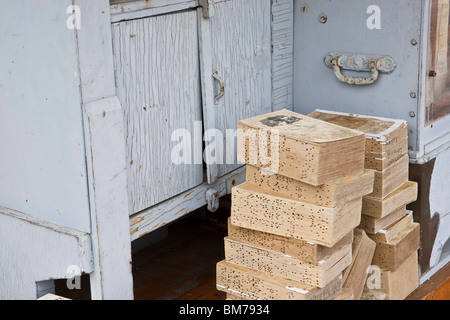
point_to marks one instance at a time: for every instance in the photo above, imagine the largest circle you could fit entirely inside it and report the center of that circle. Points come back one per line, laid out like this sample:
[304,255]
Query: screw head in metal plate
[412,114]
[413,95]
[414,42]
[323,18]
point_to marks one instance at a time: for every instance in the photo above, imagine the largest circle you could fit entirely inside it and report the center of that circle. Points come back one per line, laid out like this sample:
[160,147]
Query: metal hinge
[207,8]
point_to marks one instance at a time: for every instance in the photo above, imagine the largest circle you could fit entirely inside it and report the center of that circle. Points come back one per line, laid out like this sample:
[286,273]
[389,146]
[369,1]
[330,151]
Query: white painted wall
[42,156]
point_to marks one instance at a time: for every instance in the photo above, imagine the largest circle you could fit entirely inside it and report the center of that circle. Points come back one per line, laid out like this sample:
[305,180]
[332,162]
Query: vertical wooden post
[106,161]
[105,155]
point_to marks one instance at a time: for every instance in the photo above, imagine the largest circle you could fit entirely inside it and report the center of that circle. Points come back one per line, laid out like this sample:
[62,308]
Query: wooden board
[239,34]
[300,147]
[391,255]
[302,250]
[386,139]
[158,85]
[256,285]
[388,233]
[276,263]
[391,179]
[380,208]
[436,288]
[373,225]
[284,216]
[400,283]
[333,194]
[354,277]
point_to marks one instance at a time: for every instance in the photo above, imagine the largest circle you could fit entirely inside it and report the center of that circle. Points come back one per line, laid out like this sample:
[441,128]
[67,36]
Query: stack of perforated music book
[385,219]
[292,222]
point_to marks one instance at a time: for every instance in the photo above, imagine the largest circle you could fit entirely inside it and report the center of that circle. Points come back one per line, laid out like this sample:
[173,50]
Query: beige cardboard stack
[291,230]
[385,218]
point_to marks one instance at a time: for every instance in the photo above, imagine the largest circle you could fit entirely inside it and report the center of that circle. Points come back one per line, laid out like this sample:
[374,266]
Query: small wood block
[391,231]
[302,250]
[391,255]
[391,179]
[400,283]
[308,150]
[354,277]
[332,194]
[380,208]
[386,139]
[373,225]
[256,285]
[284,216]
[278,264]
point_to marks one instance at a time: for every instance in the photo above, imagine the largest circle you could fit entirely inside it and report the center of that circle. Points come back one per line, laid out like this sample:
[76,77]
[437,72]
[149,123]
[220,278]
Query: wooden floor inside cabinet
[179,261]
[179,265]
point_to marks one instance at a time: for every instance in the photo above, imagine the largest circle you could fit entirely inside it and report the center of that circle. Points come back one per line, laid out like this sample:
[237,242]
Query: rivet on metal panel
[412,114]
[413,95]
[414,42]
[323,18]
[432,73]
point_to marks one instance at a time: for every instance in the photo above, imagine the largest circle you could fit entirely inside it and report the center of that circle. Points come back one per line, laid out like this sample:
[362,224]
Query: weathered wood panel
[45,251]
[164,213]
[106,161]
[241,53]
[157,79]
[283,53]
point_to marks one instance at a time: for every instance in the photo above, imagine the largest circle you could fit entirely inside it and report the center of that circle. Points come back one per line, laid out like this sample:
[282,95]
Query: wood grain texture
[354,277]
[302,250]
[301,147]
[387,234]
[373,225]
[282,54]
[391,255]
[29,254]
[386,139]
[106,164]
[157,80]
[391,179]
[254,285]
[256,258]
[380,208]
[170,210]
[284,216]
[398,284]
[241,53]
[332,194]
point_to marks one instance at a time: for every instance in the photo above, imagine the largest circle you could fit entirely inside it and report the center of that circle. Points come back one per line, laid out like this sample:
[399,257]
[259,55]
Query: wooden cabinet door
[158,83]
[235,42]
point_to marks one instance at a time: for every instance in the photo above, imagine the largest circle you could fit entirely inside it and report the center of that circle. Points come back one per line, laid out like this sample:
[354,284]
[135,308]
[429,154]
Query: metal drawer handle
[375,64]
[221,85]
[356,80]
